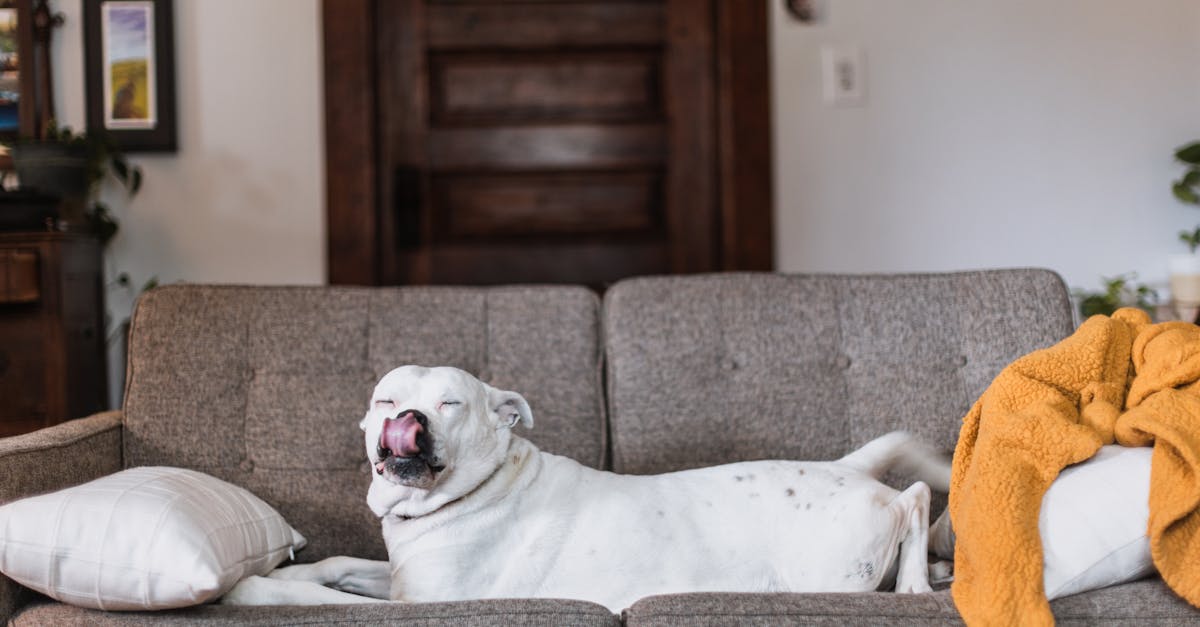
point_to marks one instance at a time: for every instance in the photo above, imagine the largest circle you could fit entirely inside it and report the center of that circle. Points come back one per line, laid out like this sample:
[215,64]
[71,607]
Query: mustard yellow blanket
[1116,379]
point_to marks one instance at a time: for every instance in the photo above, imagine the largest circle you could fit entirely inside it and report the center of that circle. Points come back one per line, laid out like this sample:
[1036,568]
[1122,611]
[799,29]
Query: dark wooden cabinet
[52,365]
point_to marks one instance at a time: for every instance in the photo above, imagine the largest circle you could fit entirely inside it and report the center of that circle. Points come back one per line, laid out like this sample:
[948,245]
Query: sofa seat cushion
[1147,602]
[786,608]
[548,612]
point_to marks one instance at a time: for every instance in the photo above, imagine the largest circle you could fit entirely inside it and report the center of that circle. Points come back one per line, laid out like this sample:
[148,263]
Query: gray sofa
[656,377]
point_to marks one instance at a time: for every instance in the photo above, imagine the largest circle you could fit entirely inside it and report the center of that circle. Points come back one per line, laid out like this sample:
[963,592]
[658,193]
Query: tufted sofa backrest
[711,369]
[265,386]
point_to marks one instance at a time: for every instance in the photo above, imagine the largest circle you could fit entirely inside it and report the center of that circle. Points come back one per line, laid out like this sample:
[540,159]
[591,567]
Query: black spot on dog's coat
[865,571]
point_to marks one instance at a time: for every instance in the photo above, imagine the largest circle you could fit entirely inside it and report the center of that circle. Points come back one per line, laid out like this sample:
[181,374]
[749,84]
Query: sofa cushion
[729,608]
[536,612]
[710,369]
[1147,602]
[264,386]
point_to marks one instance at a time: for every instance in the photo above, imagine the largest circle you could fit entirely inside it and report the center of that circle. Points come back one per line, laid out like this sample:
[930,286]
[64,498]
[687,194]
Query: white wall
[995,133]
[243,199]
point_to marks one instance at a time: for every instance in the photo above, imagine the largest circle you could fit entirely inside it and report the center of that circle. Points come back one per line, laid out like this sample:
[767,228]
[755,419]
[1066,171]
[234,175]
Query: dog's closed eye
[444,404]
[384,401]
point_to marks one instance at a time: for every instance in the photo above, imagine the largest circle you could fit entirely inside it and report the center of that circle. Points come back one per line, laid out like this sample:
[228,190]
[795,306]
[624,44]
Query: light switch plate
[844,76]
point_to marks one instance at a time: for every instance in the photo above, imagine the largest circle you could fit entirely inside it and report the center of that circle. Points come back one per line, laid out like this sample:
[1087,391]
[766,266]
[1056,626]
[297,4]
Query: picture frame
[17,79]
[130,72]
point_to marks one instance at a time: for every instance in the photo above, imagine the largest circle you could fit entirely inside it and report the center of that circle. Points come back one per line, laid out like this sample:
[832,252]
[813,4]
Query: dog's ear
[508,408]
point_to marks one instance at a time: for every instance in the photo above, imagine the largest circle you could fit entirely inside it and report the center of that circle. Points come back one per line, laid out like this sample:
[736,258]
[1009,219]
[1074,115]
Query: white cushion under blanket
[142,539]
[1093,523]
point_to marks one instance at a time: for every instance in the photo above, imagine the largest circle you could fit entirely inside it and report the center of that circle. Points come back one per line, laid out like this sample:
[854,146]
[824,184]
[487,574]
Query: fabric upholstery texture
[84,450]
[1140,603]
[532,612]
[264,386]
[712,369]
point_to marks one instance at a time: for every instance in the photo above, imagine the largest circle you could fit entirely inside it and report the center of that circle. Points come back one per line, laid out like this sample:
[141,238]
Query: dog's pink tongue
[400,435]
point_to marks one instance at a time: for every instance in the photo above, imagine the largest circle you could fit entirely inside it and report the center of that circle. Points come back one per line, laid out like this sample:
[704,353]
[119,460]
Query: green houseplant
[73,166]
[1119,291]
[1187,188]
[1184,268]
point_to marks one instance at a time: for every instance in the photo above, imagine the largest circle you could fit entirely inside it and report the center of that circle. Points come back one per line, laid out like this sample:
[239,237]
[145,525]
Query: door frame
[742,136]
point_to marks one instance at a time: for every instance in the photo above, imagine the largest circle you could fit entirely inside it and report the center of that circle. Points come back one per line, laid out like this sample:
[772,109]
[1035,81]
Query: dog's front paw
[252,590]
[297,572]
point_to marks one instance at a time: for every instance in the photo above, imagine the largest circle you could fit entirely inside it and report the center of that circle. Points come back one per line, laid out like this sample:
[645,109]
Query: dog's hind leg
[941,537]
[913,505]
[370,578]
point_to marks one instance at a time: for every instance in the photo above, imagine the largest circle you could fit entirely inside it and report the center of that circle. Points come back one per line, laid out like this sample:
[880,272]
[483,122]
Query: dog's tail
[901,451]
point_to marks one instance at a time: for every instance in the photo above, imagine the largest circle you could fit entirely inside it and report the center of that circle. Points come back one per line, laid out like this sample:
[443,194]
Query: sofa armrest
[53,458]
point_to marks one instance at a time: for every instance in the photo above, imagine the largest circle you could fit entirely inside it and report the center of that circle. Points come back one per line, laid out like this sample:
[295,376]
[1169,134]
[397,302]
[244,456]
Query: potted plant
[1119,291]
[72,167]
[1184,268]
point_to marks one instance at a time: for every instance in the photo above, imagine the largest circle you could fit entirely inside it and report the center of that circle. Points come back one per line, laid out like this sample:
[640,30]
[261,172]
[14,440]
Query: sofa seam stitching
[62,444]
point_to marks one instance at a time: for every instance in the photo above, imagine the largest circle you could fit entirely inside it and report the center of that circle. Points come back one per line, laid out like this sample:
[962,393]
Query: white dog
[471,510]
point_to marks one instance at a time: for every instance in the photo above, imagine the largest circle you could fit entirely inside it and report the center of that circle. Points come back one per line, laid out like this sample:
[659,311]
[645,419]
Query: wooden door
[541,141]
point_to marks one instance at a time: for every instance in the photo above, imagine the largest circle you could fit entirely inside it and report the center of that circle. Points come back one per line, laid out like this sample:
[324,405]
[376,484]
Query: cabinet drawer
[19,276]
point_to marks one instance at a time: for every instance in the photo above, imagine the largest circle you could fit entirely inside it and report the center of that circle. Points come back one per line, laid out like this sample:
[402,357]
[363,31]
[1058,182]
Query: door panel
[563,87]
[540,144]
[543,140]
[546,148]
[555,25]
[480,206]
[586,263]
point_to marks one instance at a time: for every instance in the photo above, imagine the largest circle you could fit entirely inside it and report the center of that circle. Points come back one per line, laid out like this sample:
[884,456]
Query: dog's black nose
[418,416]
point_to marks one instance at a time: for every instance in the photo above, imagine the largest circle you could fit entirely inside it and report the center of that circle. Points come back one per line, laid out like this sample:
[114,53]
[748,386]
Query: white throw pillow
[1093,523]
[142,539]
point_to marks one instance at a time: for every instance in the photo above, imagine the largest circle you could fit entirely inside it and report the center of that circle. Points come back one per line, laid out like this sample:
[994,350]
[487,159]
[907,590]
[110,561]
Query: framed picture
[17,79]
[130,70]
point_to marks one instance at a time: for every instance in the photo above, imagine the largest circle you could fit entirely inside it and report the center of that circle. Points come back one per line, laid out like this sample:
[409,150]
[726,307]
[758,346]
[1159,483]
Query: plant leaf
[1189,153]
[1096,304]
[1185,193]
[121,169]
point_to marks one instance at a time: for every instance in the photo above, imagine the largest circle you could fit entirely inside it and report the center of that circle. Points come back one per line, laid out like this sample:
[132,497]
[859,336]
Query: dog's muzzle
[405,448]
[400,434]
